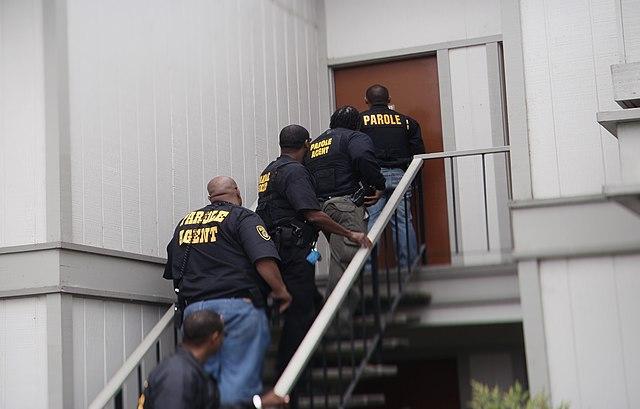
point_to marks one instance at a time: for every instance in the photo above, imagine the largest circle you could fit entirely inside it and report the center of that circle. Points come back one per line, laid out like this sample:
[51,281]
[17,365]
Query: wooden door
[413,87]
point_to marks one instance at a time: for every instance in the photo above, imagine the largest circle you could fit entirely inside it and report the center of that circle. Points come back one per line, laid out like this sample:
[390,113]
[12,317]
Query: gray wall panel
[164,96]
[23,352]
[22,123]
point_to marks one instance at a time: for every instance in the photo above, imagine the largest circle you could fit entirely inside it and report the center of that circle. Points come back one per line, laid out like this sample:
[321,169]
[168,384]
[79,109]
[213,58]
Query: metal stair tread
[370,371]
[356,401]
[358,345]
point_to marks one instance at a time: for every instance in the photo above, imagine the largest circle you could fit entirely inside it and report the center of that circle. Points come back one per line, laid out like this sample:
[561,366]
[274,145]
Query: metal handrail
[310,342]
[118,379]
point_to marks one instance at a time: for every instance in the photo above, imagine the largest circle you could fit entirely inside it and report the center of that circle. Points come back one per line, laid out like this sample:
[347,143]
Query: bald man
[222,259]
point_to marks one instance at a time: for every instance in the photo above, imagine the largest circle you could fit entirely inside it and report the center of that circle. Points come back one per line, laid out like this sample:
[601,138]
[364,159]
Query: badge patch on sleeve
[263,232]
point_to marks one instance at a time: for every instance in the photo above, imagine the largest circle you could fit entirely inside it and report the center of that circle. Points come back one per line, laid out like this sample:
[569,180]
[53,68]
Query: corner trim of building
[64,268]
[533,327]
[84,249]
[400,53]
[516,100]
[57,129]
[59,351]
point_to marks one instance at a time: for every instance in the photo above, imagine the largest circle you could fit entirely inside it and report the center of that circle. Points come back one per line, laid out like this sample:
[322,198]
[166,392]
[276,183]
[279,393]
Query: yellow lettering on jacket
[198,235]
[320,148]
[263,183]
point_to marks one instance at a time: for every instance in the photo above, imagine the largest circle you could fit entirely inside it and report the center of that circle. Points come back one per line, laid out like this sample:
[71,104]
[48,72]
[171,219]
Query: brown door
[413,86]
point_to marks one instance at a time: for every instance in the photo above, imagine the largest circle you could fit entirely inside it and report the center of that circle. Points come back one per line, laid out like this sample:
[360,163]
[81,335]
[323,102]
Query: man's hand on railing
[371,200]
[272,401]
[360,238]
[282,298]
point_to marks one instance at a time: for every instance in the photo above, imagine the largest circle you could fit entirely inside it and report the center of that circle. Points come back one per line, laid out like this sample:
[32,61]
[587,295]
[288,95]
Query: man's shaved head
[377,94]
[224,188]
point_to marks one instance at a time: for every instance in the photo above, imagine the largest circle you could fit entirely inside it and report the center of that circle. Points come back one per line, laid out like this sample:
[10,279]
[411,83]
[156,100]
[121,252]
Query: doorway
[414,90]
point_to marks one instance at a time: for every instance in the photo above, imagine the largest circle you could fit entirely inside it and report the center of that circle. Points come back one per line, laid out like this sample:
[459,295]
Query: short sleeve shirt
[225,242]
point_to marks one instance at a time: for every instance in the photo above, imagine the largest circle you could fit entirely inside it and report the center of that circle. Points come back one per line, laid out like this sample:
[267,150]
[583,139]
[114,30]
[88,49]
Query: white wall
[165,95]
[630,22]
[104,334]
[590,309]
[23,353]
[473,129]
[357,27]
[22,140]
[568,48]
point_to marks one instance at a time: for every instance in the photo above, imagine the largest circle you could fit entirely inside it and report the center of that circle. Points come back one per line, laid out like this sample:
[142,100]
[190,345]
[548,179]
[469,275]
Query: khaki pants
[344,212]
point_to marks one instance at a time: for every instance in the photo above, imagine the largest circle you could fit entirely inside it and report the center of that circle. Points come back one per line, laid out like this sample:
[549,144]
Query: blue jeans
[406,250]
[238,364]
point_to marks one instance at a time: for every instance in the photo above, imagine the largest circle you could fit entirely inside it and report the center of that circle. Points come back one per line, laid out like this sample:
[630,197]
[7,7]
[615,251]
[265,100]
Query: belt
[244,294]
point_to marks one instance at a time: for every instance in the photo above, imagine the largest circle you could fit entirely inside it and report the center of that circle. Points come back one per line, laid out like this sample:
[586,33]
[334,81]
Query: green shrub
[515,398]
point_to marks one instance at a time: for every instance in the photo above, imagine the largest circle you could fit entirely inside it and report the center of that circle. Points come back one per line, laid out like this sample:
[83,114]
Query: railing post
[375,293]
[420,213]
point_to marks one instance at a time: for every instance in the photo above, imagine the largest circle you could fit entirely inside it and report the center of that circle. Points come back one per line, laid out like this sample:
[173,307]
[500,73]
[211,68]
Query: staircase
[349,337]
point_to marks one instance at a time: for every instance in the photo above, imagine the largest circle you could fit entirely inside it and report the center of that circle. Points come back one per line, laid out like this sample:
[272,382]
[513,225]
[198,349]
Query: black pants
[299,277]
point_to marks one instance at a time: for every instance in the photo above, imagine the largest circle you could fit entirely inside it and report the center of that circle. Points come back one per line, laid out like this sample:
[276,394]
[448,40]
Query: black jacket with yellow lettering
[223,241]
[396,137]
[340,159]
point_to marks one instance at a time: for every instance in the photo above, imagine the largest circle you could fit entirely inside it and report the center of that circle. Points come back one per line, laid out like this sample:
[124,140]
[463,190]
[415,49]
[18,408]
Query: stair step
[370,371]
[359,345]
[397,320]
[356,401]
[408,299]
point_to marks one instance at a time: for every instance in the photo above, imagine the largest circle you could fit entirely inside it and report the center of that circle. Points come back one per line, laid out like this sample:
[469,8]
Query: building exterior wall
[22,124]
[590,310]
[105,332]
[23,352]
[629,15]
[578,302]
[164,96]
[568,48]
[362,27]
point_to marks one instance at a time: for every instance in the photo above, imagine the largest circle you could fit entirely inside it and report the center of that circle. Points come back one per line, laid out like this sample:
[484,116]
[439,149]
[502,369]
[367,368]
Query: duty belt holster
[299,234]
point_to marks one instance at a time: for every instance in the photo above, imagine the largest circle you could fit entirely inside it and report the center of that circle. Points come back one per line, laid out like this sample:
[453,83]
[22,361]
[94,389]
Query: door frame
[497,101]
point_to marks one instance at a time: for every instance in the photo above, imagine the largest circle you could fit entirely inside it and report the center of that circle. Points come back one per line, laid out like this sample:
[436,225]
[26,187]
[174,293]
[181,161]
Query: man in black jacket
[288,205]
[342,161]
[396,138]
[179,382]
[221,258]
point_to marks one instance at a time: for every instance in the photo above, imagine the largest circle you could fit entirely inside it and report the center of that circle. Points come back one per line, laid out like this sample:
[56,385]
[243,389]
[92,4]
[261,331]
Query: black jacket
[339,160]
[179,382]
[396,137]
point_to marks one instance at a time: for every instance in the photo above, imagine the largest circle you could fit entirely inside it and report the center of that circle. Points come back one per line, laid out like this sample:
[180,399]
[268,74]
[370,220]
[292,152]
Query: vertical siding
[590,317]
[568,47]
[630,10]
[23,353]
[22,143]
[165,95]
[104,334]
